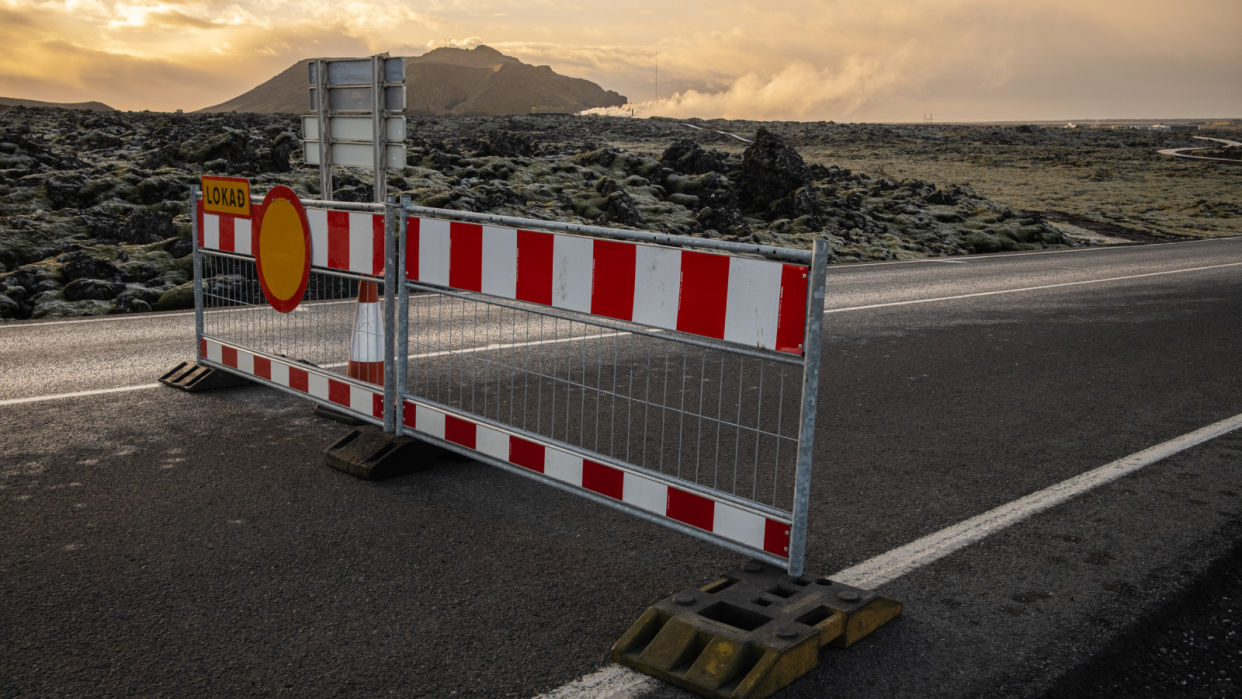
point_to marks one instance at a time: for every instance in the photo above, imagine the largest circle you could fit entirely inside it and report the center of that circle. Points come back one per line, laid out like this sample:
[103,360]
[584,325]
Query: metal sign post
[357,121]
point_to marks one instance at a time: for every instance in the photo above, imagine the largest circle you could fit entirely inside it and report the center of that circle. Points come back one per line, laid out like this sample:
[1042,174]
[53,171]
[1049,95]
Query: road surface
[162,543]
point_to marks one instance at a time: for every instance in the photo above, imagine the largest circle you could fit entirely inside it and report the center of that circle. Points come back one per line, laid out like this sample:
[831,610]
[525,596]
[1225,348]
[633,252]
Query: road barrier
[672,378]
[675,384]
[332,342]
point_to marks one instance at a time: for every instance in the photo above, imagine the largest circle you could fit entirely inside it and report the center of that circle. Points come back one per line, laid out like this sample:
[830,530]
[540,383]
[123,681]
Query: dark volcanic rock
[771,171]
[618,205]
[689,158]
[91,289]
[146,227]
[79,265]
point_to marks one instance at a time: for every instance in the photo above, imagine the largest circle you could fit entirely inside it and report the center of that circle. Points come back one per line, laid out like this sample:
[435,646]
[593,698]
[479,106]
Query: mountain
[478,82]
[92,106]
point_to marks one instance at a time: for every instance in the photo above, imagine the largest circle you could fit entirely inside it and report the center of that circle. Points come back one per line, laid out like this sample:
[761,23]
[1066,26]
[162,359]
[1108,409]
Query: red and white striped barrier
[348,241]
[753,302]
[295,376]
[718,517]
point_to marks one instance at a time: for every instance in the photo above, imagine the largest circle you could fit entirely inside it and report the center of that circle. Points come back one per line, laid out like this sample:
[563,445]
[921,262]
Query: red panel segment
[534,267]
[338,392]
[791,318]
[338,239]
[466,256]
[695,510]
[263,368]
[459,431]
[377,244]
[526,454]
[408,414]
[298,379]
[612,284]
[411,249]
[776,538]
[602,479]
[227,234]
[202,348]
[228,356]
[704,294]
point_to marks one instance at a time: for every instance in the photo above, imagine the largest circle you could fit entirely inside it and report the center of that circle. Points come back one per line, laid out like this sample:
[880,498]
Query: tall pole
[325,147]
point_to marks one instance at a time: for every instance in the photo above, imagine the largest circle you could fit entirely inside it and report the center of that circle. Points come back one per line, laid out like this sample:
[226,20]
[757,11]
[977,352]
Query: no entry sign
[283,249]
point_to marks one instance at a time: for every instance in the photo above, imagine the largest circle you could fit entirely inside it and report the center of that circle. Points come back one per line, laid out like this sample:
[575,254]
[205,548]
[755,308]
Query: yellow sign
[283,249]
[226,195]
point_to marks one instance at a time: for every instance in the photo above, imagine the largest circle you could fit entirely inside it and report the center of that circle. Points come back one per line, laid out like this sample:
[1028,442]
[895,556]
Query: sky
[805,60]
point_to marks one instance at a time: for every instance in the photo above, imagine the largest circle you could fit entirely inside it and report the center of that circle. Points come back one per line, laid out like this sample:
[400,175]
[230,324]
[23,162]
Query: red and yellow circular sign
[283,249]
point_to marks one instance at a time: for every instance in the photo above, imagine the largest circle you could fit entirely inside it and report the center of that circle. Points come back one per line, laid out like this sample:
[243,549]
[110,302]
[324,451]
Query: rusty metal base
[749,633]
[191,377]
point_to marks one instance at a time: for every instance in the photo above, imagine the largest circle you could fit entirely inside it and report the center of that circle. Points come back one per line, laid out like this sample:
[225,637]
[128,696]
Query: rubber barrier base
[191,377]
[338,415]
[749,633]
[369,452]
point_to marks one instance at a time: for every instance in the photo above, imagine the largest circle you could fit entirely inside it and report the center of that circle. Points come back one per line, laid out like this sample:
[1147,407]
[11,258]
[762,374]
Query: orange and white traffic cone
[366,354]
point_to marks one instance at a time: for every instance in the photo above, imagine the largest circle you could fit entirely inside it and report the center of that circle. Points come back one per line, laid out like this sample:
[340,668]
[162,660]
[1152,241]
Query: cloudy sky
[841,60]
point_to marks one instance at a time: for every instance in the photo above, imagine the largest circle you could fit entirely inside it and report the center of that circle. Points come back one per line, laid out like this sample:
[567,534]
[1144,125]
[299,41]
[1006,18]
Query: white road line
[898,562]
[1027,288]
[58,396]
[620,682]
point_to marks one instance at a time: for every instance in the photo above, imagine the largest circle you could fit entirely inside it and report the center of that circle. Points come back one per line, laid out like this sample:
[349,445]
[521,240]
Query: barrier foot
[191,377]
[337,415]
[750,633]
[369,452]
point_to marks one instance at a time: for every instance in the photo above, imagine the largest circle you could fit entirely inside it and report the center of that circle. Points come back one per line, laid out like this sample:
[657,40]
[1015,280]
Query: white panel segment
[245,362]
[214,352]
[500,262]
[562,466]
[280,373]
[573,263]
[645,494]
[429,421]
[361,243]
[494,443]
[361,400]
[317,385]
[753,302]
[433,251]
[356,154]
[242,236]
[318,220]
[657,284]
[739,525]
[211,231]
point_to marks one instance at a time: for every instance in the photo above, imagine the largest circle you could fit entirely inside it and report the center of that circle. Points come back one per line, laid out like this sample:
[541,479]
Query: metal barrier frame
[204,342]
[396,400]
[816,260]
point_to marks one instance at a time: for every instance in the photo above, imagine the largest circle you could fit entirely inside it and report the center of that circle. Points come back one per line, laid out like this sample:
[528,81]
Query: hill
[478,82]
[92,106]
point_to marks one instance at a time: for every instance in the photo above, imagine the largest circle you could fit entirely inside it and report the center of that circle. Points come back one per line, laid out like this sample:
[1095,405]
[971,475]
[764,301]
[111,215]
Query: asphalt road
[166,544]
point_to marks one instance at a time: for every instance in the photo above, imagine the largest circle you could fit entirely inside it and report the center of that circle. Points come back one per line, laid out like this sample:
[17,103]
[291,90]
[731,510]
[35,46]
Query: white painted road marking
[1028,288]
[58,396]
[620,682]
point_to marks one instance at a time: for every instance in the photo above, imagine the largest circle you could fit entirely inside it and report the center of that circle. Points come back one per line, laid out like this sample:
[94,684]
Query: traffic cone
[366,354]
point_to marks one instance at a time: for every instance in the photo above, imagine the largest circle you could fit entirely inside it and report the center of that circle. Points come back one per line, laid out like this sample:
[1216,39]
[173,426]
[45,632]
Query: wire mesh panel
[668,382]
[699,414]
[326,330]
